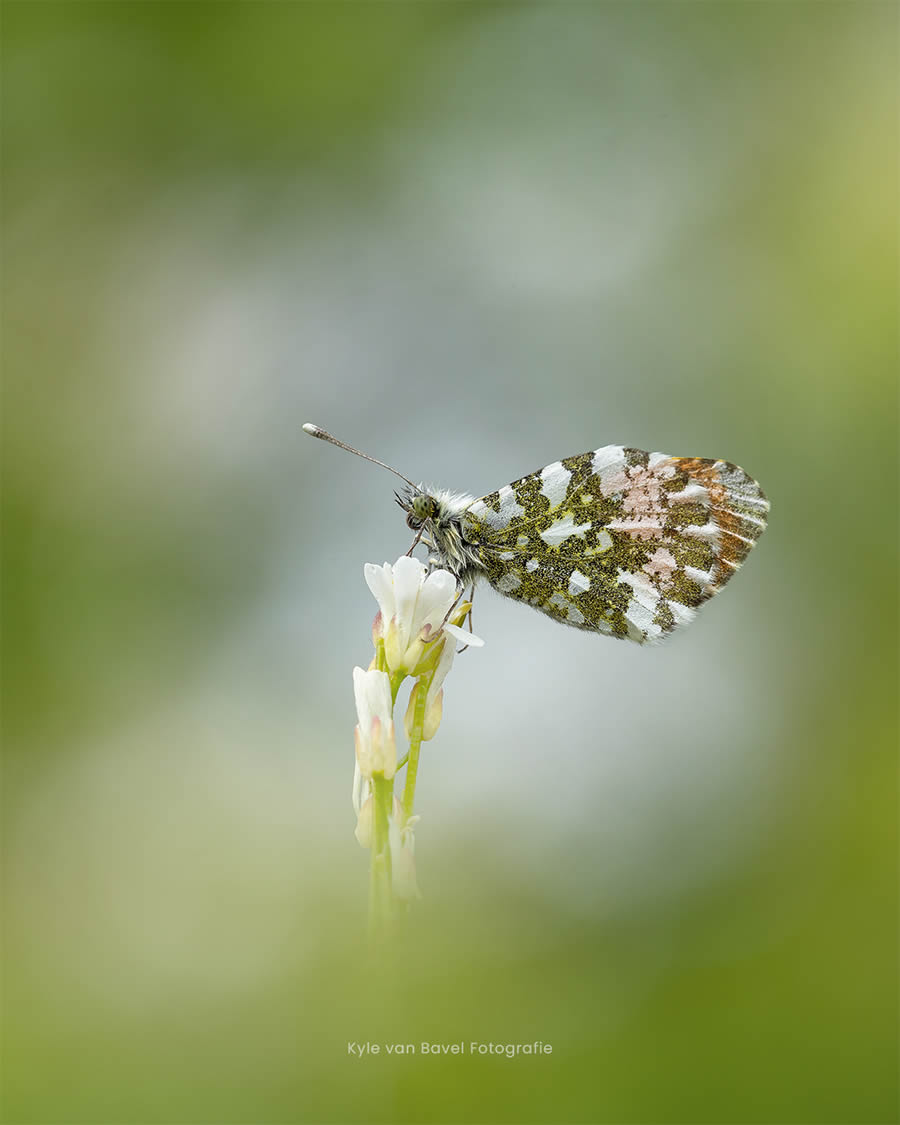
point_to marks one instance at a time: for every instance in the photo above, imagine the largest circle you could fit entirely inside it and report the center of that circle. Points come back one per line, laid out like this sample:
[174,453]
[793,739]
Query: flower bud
[434,712]
[434,706]
[376,751]
[409,717]
[394,646]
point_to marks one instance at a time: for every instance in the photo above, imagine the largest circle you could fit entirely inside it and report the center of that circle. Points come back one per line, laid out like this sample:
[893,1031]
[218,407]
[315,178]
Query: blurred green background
[472,238]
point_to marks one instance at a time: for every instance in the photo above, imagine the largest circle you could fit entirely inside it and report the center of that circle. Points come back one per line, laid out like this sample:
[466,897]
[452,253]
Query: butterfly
[615,540]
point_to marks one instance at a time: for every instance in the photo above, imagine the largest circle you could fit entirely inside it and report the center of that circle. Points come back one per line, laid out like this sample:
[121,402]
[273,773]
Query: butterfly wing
[618,540]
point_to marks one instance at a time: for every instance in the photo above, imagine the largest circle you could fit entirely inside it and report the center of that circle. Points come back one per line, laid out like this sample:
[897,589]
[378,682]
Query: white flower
[434,703]
[412,636]
[413,605]
[376,752]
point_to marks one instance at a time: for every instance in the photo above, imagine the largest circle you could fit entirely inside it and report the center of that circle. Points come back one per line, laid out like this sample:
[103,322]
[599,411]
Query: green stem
[415,742]
[380,896]
[396,680]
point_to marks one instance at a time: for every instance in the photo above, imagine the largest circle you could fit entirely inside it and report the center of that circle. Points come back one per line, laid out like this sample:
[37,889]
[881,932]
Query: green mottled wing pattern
[617,540]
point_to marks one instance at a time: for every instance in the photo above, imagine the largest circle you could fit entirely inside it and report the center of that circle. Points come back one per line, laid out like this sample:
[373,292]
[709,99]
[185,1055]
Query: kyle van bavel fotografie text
[510,1050]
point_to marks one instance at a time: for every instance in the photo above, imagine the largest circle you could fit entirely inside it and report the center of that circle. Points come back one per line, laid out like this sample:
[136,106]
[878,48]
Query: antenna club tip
[311,429]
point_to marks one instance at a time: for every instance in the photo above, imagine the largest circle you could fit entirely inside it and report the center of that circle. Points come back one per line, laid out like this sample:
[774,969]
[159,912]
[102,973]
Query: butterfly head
[420,507]
[435,517]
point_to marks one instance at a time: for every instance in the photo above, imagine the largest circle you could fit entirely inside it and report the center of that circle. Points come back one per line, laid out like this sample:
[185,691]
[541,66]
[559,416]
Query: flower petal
[438,594]
[362,701]
[380,581]
[372,689]
[409,574]
[445,663]
[463,636]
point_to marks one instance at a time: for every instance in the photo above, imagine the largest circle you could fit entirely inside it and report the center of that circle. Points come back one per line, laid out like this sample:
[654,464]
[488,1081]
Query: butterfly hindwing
[617,540]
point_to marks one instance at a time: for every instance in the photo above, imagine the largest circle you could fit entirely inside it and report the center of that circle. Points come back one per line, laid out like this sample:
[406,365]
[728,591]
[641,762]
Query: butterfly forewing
[617,540]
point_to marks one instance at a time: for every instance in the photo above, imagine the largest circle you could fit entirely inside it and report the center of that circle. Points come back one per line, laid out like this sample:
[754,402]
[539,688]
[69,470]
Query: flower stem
[380,896]
[415,742]
[396,680]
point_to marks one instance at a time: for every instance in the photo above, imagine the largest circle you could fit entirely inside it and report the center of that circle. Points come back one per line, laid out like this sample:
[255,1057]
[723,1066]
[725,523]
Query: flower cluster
[415,633]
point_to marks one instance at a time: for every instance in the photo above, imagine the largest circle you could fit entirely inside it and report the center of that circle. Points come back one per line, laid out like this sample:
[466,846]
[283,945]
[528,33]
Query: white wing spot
[645,593]
[555,482]
[701,577]
[708,531]
[641,527]
[579,583]
[532,564]
[693,494]
[573,614]
[509,509]
[752,498]
[743,516]
[682,614]
[509,582]
[734,535]
[480,511]
[608,457]
[640,623]
[642,607]
[509,506]
[604,542]
[559,531]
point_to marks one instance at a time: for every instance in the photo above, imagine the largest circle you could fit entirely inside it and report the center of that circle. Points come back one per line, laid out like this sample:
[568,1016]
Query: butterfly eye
[421,509]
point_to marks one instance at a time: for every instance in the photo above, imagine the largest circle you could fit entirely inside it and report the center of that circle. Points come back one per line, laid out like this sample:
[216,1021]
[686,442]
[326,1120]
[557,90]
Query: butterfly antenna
[317,431]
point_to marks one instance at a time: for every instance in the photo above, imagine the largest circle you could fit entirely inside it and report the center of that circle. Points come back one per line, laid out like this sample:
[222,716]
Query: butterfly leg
[469,616]
[415,541]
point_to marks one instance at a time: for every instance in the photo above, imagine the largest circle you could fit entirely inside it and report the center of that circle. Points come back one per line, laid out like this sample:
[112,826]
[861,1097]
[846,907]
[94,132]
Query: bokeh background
[472,238]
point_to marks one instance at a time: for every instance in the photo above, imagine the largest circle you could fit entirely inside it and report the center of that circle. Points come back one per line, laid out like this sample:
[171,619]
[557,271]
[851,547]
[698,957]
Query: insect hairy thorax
[436,517]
